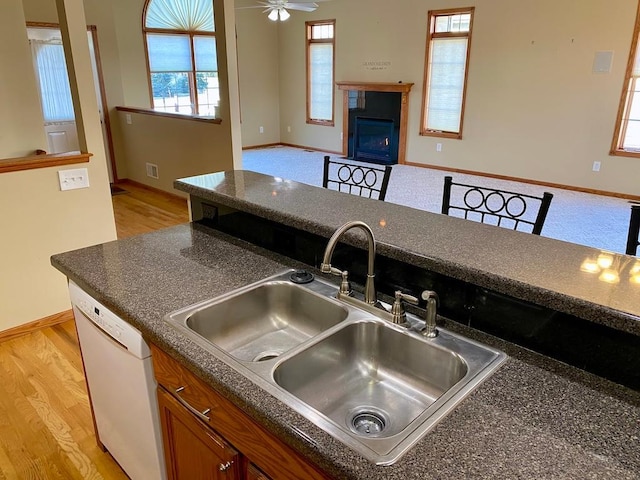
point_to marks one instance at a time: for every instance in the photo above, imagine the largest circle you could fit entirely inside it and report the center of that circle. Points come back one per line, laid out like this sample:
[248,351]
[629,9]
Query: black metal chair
[370,182]
[496,207]
[634,231]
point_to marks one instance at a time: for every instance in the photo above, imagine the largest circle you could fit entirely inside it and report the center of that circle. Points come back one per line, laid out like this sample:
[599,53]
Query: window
[320,71]
[446,65]
[181,56]
[626,137]
[51,73]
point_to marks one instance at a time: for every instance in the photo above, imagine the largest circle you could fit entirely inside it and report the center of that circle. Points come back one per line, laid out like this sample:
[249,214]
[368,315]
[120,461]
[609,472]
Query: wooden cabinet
[192,450]
[202,431]
[254,474]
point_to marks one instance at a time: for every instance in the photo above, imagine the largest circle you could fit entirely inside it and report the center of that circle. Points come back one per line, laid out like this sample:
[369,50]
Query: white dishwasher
[122,387]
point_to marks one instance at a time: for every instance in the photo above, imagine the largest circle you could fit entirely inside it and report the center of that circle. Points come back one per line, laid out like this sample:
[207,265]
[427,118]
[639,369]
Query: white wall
[534,108]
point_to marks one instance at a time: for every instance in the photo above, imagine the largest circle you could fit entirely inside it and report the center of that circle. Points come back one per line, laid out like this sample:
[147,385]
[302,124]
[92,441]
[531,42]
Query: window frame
[431,34]
[624,106]
[308,42]
[192,75]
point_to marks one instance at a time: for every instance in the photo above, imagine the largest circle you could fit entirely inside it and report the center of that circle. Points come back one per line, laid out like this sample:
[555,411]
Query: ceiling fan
[277,9]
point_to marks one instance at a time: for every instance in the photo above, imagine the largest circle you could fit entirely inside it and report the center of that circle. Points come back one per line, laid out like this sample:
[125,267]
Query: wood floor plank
[62,434]
[141,210]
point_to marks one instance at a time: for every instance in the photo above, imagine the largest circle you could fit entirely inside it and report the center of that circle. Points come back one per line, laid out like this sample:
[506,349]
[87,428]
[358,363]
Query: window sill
[42,161]
[624,153]
[324,123]
[182,116]
[431,133]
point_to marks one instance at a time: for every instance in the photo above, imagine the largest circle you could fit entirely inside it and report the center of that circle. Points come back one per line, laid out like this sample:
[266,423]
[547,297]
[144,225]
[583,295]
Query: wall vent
[152,170]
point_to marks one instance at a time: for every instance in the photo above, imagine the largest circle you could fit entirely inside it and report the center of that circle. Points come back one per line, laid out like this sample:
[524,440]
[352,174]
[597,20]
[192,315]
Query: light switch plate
[72,179]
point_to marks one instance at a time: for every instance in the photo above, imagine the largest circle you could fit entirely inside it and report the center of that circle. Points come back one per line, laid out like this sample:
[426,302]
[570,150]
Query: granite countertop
[534,418]
[537,269]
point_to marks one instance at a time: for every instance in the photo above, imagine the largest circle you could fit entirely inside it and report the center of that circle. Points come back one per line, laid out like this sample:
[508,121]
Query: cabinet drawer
[273,457]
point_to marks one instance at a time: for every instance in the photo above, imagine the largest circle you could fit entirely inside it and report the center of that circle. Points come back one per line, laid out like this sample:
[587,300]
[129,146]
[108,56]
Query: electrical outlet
[596,166]
[72,179]
[128,118]
[261,129]
[438,147]
[289,129]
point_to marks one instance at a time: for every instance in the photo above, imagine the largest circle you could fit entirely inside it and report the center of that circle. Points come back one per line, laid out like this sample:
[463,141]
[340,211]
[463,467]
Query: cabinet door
[192,450]
[254,474]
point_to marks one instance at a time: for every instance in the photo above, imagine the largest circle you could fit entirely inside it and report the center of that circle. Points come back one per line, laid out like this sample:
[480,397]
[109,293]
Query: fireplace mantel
[402,88]
[376,86]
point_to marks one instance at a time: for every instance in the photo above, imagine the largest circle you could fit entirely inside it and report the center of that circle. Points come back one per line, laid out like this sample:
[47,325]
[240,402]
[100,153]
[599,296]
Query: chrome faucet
[369,288]
[430,329]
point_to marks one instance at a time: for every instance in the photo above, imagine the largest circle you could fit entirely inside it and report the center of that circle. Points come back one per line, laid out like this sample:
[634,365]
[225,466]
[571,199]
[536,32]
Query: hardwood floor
[142,210]
[46,430]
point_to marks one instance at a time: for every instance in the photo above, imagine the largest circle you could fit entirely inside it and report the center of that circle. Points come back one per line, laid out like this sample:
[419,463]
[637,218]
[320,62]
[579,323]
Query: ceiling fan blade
[303,7]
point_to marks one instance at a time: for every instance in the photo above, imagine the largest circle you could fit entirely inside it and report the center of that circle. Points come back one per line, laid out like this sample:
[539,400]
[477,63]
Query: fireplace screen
[373,139]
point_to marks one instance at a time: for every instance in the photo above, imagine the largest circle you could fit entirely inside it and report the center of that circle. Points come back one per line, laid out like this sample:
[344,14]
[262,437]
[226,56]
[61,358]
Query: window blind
[55,91]
[169,53]
[205,54]
[321,81]
[447,65]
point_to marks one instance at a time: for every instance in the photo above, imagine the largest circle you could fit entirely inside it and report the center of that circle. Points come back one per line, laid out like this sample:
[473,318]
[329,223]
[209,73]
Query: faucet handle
[327,268]
[397,309]
[345,285]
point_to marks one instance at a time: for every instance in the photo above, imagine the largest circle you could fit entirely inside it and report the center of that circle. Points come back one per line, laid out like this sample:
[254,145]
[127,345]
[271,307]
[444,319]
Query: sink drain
[264,356]
[368,422]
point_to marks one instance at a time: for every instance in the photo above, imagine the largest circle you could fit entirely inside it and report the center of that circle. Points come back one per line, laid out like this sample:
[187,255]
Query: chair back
[370,182]
[634,231]
[496,207]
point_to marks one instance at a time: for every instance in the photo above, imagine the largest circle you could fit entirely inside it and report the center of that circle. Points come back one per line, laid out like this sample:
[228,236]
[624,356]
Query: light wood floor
[46,431]
[142,210]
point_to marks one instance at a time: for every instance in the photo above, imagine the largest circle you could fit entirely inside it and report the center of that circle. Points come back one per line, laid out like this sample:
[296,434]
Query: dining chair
[634,231]
[496,207]
[365,181]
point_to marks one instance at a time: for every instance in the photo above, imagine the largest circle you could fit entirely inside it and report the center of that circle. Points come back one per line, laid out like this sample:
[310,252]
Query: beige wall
[39,220]
[179,147]
[534,108]
[22,134]
[258,59]
[100,14]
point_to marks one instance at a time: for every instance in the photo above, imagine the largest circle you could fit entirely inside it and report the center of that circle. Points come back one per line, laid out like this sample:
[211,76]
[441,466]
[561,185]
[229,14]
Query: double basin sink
[377,387]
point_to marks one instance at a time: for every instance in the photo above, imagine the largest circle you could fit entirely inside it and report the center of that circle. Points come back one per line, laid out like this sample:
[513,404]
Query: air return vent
[152,170]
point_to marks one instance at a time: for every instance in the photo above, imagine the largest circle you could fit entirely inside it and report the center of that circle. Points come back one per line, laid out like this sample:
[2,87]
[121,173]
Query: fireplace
[374,126]
[375,140]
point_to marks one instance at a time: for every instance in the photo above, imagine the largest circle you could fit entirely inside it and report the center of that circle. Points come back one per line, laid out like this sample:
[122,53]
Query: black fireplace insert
[374,140]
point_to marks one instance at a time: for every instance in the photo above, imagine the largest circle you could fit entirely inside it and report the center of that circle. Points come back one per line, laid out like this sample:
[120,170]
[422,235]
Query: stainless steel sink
[380,386]
[373,379]
[264,321]
[376,386]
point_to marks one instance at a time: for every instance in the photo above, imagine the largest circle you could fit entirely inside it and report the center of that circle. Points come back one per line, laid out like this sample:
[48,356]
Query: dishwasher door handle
[204,415]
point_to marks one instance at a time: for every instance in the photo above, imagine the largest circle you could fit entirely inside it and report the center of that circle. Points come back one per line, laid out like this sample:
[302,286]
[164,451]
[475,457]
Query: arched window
[181,56]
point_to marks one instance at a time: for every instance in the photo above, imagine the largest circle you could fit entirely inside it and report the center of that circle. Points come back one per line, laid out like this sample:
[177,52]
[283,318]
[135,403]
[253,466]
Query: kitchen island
[534,418]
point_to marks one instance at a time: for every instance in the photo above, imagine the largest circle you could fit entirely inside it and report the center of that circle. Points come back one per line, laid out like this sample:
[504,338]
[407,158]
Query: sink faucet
[325,267]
